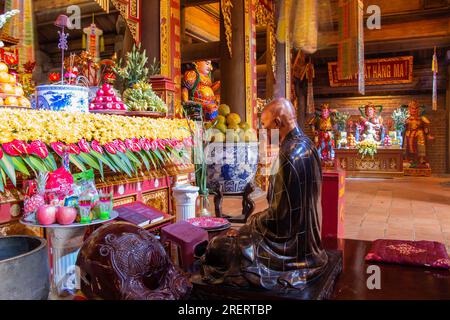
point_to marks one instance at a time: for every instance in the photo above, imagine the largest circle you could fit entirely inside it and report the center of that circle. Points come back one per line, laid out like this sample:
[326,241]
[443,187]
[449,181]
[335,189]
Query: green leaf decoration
[2,181]
[28,162]
[145,160]
[150,157]
[158,155]
[133,158]
[120,164]
[20,165]
[51,161]
[127,162]
[90,161]
[103,158]
[38,164]
[7,165]
[79,164]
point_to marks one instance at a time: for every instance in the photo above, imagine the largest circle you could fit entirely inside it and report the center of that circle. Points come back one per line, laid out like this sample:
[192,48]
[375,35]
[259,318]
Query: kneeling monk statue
[281,246]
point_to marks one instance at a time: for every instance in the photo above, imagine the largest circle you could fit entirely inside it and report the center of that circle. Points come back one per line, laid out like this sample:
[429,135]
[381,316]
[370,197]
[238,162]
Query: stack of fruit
[141,97]
[107,99]
[229,127]
[11,93]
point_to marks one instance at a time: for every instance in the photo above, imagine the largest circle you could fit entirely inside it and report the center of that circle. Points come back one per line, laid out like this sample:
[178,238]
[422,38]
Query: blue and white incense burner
[62,98]
[231,165]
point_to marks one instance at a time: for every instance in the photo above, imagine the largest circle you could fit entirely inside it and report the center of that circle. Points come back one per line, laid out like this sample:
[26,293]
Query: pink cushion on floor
[417,253]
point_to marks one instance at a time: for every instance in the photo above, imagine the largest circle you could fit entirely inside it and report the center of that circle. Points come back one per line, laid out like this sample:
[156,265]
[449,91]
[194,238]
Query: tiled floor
[402,208]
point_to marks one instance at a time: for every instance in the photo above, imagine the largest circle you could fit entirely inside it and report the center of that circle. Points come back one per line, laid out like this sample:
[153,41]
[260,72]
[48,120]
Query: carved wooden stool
[187,237]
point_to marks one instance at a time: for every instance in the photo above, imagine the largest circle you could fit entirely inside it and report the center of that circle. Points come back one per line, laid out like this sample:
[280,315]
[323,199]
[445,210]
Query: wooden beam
[193,3]
[200,51]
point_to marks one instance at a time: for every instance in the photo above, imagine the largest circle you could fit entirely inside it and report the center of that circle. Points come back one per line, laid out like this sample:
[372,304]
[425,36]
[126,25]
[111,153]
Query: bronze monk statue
[279,247]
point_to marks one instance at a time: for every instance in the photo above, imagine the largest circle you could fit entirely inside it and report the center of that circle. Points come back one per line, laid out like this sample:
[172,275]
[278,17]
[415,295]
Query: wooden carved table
[387,162]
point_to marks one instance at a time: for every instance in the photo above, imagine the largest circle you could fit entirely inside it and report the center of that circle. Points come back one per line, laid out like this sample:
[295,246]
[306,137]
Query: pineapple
[36,200]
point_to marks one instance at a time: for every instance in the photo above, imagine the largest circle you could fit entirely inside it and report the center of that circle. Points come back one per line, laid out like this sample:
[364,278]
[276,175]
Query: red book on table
[139,213]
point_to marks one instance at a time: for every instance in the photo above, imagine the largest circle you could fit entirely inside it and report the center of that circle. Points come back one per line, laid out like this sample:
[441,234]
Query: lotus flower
[120,146]
[84,146]
[110,148]
[96,146]
[59,148]
[153,145]
[73,148]
[133,144]
[38,148]
[16,148]
[145,144]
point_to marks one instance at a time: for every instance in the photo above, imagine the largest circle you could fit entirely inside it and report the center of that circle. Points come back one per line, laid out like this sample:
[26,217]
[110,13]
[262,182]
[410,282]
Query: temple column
[161,36]
[238,59]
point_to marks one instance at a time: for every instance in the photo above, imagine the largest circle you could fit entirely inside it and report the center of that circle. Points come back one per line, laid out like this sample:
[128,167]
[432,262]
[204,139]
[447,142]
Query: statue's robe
[281,246]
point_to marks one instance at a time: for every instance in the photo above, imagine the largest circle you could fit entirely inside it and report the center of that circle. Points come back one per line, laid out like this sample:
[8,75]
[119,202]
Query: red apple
[91,106]
[111,92]
[100,93]
[46,215]
[106,87]
[66,215]
[117,99]
[108,99]
[109,106]
[99,106]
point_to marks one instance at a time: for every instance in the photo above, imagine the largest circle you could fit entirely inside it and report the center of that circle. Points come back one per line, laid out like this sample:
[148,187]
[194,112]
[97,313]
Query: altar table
[387,162]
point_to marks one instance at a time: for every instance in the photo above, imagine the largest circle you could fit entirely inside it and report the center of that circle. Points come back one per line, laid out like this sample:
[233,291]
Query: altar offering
[11,92]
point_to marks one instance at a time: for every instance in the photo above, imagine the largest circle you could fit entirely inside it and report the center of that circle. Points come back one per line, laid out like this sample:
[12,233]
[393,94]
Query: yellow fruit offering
[224,110]
[11,101]
[244,126]
[1,102]
[221,119]
[18,91]
[4,77]
[24,102]
[8,88]
[233,126]
[3,67]
[233,118]
[222,127]
[12,79]
[250,136]
[218,137]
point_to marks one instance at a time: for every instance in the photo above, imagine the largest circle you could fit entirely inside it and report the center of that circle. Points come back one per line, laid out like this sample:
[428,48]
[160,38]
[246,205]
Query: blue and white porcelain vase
[62,98]
[231,165]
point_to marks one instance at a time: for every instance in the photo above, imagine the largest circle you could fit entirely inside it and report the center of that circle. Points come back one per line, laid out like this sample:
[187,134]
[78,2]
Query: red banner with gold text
[377,72]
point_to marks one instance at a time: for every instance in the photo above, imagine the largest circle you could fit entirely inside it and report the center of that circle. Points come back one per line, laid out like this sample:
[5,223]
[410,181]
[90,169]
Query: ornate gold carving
[124,200]
[226,7]
[265,17]
[158,199]
[368,164]
[104,4]
[129,10]
[165,41]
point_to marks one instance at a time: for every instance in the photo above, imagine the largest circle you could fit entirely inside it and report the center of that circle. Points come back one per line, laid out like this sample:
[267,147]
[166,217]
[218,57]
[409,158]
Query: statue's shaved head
[279,114]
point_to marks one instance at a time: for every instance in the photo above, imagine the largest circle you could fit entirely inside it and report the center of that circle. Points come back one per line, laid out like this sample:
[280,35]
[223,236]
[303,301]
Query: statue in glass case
[416,134]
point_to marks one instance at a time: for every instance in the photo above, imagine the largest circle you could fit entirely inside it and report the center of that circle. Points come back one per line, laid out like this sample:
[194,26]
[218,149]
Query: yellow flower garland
[53,126]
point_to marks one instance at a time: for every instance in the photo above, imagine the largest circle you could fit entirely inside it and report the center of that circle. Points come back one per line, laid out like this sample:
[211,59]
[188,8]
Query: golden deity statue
[199,88]
[417,132]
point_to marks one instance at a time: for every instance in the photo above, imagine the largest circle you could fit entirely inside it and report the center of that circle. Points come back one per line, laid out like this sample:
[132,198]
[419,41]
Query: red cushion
[417,253]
